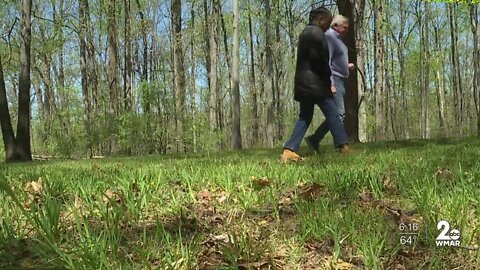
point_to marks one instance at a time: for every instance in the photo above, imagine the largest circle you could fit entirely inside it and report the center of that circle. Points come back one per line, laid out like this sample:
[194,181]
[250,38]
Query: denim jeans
[329,109]
[323,129]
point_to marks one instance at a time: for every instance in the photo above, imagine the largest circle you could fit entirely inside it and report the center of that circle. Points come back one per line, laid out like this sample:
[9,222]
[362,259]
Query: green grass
[244,210]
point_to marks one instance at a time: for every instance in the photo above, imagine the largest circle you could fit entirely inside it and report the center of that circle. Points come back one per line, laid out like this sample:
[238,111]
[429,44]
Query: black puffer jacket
[312,74]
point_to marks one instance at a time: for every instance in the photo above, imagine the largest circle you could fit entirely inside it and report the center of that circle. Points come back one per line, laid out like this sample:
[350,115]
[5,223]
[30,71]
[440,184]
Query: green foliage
[241,209]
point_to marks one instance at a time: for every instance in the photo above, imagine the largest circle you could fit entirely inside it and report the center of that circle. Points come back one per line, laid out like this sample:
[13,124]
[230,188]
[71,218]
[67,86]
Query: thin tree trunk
[457,93]
[114,108]
[236,132]
[253,87]
[128,70]
[193,79]
[379,71]
[474,23]
[269,88]
[179,72]
[212,24]
[5,120]
[85,75]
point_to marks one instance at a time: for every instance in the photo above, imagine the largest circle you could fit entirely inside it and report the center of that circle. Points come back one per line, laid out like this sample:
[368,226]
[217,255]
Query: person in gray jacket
[340,68]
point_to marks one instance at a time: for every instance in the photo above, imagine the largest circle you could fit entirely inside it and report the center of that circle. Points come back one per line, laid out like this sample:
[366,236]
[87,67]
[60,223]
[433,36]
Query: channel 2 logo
[447,237]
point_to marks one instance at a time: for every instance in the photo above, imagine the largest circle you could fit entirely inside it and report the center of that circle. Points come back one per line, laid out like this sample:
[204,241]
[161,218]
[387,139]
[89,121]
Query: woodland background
[136,77]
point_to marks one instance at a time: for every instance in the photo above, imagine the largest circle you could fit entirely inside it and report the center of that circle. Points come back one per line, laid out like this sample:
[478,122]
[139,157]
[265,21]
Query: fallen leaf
[261,182]
[312,191]
[222,237]
[204,195]
[254,265]
[34,186]
[365,196]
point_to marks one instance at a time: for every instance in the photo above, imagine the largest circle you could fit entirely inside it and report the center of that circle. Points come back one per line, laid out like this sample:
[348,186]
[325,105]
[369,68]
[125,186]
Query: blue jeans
[323,129]
[329,109]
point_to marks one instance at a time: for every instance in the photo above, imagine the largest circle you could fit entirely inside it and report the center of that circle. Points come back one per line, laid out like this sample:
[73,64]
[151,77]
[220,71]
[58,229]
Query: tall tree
[253,86]
[268,78]
[18,148]
[178,71]
[379,26]
[455,68]
[127,58]
[236,133]
[474,23]
[346,8]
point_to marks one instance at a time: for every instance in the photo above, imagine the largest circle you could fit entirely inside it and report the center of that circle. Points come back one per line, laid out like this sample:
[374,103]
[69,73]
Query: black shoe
[311,146]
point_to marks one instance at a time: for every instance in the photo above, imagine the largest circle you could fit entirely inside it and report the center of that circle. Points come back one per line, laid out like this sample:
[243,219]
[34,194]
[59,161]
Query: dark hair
[319,12]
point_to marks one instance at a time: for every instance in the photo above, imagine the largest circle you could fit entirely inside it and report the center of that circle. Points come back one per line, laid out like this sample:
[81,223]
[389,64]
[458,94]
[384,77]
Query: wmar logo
[447,237]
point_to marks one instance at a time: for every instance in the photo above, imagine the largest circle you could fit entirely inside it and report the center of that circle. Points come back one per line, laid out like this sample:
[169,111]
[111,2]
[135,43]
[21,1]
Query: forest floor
[376,208]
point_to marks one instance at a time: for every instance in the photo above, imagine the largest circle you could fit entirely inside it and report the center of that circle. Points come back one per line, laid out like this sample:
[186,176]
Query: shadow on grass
[22,254]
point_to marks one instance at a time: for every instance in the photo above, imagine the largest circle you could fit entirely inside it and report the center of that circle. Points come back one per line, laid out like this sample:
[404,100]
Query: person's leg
[301,126]
[329,109]
[322,130]
[340,96]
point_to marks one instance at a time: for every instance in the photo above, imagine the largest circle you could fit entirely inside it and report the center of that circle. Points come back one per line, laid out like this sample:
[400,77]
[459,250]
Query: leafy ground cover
[246,210]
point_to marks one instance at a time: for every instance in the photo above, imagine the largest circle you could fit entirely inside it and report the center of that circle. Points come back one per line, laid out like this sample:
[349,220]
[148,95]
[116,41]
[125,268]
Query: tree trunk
[346,8]
[193,76]
[128,70]
[23,125]
[84,74]
[236,132]
[456,78]
[379,70]
[269,89]
[360,43]
[476,60]
[253,88]
[212,24]
[113,73]
[5,120]
[179,72]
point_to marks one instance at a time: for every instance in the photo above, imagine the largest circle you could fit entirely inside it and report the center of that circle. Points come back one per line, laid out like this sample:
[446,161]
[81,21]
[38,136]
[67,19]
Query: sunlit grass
[244,209]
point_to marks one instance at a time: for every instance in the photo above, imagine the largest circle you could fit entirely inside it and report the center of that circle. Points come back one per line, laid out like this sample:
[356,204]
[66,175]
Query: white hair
[338,20]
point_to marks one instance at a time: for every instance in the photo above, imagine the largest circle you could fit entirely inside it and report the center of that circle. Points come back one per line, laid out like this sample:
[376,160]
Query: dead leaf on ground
[312,192]
[366,196]
[34,186]
[113,196]
[339,264]
[204,195]
[254,265]
[443,174]
[388,183]
[261,182]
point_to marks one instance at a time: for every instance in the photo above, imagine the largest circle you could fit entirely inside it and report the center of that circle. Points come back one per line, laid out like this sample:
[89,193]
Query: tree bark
[269,87]
[379,70]
[128,65]
[346,8]
[236,132]
[212,25]
[456,78]
[360,43]
[85,75]
[474,23]
[179,72]
[253,88]
[5,120]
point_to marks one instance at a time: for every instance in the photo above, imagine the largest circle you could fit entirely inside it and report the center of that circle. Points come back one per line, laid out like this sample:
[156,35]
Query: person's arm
[331,51]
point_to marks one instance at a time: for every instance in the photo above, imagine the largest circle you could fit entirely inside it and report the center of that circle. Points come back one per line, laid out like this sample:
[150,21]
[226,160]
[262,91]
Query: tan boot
[344,149]
[289,155]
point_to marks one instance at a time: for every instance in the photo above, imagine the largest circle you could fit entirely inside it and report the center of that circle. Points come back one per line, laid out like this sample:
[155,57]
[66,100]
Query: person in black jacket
[313,85]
